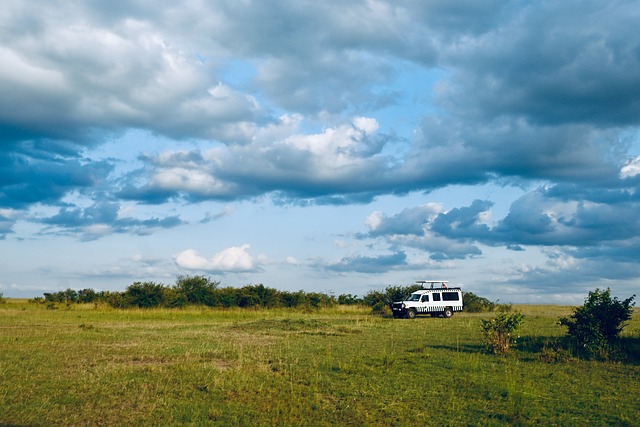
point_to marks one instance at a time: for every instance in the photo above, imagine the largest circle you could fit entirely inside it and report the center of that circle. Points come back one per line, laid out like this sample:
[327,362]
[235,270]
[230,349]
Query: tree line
[201,290]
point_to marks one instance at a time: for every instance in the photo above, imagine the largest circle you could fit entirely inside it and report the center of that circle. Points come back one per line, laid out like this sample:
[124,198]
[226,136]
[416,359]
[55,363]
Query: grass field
[91,365]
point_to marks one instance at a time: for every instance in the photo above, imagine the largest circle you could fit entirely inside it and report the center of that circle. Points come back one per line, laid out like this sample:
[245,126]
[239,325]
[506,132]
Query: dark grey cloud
[552,63]
[103,218]
[572,226]
[44,171]
[453,151]
[463,222]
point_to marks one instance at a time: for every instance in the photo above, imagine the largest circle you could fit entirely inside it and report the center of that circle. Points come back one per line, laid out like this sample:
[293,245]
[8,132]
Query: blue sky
[324,146]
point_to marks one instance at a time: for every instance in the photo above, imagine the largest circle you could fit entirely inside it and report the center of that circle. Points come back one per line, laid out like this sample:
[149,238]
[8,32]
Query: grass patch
[90,365]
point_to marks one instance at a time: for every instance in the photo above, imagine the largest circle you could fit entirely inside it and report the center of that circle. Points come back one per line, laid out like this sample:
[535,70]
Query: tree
[197,289]
[596,326]
[144,295]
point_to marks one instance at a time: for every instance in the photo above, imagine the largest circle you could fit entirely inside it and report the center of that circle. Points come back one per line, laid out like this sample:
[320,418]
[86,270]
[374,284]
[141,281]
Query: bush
[172,298]
[476,304]
[144,295]
[596,326]
[348,299]
[86,296]
[197,289]
[499,332]
[377,299]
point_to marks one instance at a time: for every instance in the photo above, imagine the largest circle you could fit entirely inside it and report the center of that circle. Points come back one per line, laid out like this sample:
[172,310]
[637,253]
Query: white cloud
[631,169]
[291,260]
[235,259]
[374,220]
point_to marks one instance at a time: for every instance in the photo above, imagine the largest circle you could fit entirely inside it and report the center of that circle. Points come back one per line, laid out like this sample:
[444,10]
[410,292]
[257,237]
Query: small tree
[499,332]
[144,295]
[597,324]
[197,289]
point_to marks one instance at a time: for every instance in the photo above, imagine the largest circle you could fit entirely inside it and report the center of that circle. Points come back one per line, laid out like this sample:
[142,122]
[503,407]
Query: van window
[436,297]
[450,296]
[425,298]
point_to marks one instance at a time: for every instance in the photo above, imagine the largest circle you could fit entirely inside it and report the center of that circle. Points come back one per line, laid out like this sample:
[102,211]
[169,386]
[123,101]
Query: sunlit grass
[87,365]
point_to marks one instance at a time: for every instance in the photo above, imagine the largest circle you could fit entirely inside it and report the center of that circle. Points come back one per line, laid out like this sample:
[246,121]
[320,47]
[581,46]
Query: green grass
[88,365]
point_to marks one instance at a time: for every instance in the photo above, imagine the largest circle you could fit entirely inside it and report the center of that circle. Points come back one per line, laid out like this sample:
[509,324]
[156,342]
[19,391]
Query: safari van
[435,298]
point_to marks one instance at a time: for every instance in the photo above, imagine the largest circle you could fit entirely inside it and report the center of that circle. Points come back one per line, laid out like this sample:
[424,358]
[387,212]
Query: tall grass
[87,365]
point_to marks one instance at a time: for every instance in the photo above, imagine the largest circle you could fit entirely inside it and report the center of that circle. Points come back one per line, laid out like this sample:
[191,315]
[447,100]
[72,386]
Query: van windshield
[414,297]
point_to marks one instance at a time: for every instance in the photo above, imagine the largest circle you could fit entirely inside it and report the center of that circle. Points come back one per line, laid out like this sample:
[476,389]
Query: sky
[336,147]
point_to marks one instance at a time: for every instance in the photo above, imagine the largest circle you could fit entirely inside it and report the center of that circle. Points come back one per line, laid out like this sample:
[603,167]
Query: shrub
[377,299]
[596,326]
[499,332]
[476,304]
[197,289]
[172,298]
[348,299]
[144,295]
[87,296]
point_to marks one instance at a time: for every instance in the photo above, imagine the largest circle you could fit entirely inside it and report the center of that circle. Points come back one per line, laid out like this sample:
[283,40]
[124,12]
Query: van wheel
[411,314]
[448,312]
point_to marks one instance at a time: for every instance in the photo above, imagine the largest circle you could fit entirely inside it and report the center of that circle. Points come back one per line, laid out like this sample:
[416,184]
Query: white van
[436,299]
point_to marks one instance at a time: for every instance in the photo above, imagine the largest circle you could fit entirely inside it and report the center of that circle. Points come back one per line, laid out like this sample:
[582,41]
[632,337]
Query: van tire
[448,312]
[411,314]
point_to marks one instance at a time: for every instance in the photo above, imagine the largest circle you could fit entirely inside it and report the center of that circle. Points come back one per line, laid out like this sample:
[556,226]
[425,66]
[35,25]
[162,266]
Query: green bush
[172,298]
[476,304]
[144,295]
[376,299]
[348,299]
[596,326]
[197,289]
[499,332]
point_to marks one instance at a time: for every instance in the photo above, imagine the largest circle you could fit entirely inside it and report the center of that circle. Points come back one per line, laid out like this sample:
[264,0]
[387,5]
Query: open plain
[94,365]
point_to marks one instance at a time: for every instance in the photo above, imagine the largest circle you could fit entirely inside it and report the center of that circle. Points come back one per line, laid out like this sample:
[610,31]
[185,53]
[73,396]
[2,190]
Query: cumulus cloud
[235,259]
[299,104]
[298,165]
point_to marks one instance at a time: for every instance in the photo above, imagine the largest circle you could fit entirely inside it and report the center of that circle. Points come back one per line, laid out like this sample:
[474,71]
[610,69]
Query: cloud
[543,64]
[337,161]
[411,221]
[577,224]
[631,169]
[101,219]
[44,171]
[6,226]
[86,72]
[329,103]
[367,264]
[235,259]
